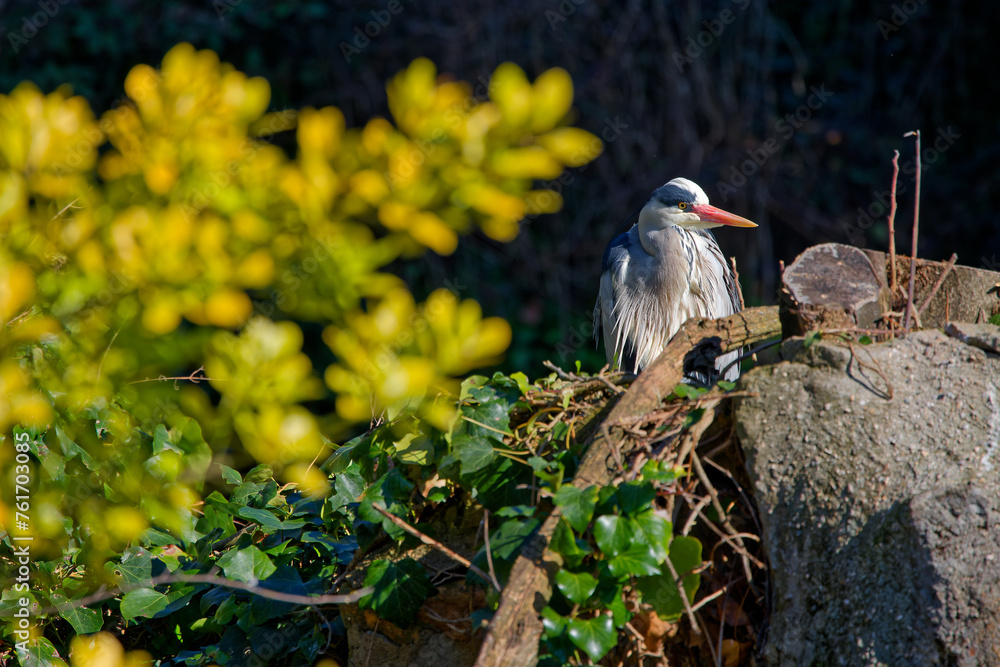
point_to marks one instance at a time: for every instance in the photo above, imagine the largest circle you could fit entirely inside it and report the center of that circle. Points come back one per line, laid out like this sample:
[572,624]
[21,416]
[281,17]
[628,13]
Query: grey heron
[666,269]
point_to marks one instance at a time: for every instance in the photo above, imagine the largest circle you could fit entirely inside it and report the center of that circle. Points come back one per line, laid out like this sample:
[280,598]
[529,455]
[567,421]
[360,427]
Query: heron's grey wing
[618,348]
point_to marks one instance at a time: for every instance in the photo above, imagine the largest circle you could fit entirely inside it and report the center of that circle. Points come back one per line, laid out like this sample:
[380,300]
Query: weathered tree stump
[966,294]
[831,286]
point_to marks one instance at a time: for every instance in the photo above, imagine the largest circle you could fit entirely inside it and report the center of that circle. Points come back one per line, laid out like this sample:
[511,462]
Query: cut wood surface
[514,633]
[832,286]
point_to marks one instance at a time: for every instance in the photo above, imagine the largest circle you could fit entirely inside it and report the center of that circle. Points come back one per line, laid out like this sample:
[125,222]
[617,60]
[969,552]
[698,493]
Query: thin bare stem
[937,284]
[489,554]
[916,230]
[173,578]
[431,542]
[679,582]
[892,220]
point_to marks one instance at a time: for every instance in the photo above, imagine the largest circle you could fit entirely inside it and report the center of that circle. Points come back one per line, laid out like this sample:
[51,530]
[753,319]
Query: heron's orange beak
[709,213]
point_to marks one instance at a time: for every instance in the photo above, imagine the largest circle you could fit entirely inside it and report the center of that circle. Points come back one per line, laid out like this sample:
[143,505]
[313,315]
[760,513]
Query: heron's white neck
[650,222]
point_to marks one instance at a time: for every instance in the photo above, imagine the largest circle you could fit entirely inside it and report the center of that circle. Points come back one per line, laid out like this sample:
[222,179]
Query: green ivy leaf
[613,534]
[142,602]
[638,560]
[247,565]
[348,485]
[470,385]
[577,587]
[506,541]
[553,622]
[392,493]
[635,497]
[656,532]
[995,319]
[260,474]
[263,517]
[84,621]
[660,592]
[595,636]
[811,337]
[577,505]
[40,653]
[230,475]
[400,590]
[564,544]
[522,382]
[474,453]
[415,449]
[136,566]
[655,471]
[482,420]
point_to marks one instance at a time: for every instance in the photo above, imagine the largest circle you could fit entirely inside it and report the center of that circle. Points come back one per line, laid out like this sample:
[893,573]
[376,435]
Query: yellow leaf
[530,162]
[501,229]
[99,650]
[370,186]
[124,524]
[431,231]
[510,89]
[228,308]
[161,314]
[17,286]
[543,201]
[396,215]
[320,132]
[572,146]
[256,269]
[553,96]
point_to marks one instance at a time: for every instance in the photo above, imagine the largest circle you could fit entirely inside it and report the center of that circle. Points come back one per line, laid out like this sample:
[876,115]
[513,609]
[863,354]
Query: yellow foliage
[103,650]
[171,234]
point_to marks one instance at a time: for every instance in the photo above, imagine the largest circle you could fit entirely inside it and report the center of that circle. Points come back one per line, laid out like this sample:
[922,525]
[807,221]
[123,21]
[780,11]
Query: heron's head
[683,203]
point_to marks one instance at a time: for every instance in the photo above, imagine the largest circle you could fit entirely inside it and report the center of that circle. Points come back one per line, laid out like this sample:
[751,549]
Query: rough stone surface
[877,470]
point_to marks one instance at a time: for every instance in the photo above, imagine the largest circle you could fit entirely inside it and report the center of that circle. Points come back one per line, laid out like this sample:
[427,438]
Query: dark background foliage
[679,88]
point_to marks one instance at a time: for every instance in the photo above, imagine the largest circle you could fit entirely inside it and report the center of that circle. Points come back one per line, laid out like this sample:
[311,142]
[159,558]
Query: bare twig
[736,278]
[916,230]
[194,378]
[937,284]
[892,219]
[489,554]
[431,542]
[679,582]
[723,517]
[104,593]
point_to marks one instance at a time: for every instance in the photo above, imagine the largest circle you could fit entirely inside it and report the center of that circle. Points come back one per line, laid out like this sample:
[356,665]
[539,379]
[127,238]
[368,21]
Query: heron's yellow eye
[682,205]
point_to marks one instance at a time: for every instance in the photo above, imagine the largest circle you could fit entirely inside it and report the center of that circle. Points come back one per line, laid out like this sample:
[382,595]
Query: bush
[168,274]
